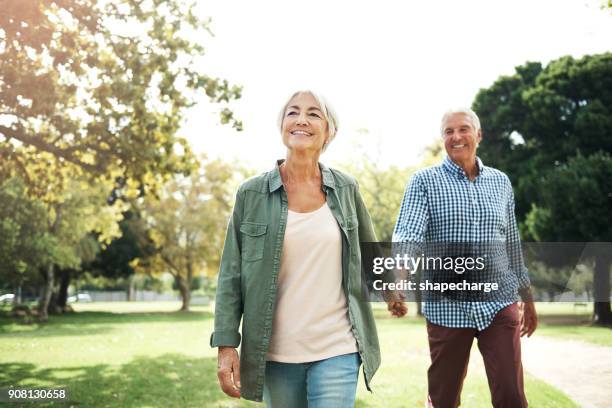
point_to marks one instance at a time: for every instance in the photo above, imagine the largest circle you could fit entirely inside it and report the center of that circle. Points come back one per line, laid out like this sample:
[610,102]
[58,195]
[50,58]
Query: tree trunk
[45,299]
[131,289]
[185,290]
[62,294]
[49,274]
[17,298]
[602,316]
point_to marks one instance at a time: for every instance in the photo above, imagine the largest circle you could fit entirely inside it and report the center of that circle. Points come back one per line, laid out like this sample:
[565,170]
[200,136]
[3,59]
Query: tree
[561,215]
[97,90]
[381,186]
[101,87]
[82,209]
[116,260]
[25,244]
[187,224]
[541,125]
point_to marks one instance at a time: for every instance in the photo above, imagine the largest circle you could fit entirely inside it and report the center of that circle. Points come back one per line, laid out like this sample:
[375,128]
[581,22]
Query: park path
[582,370]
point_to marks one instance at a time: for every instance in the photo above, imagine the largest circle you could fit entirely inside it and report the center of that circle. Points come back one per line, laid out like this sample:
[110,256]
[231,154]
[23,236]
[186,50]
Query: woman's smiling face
[304,125]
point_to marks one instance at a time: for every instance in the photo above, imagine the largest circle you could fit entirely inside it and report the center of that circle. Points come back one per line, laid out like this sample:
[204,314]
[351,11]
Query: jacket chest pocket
[349,225]
[253,240]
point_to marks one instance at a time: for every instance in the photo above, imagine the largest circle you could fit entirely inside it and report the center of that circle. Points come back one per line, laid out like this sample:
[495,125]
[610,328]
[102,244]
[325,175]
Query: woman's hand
[228,371]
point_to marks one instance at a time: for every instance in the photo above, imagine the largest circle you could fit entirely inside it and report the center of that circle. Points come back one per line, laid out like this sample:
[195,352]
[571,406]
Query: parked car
[80,297]
[7,298]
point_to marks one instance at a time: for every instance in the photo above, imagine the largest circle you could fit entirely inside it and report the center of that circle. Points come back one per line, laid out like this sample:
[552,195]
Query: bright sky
[391,67]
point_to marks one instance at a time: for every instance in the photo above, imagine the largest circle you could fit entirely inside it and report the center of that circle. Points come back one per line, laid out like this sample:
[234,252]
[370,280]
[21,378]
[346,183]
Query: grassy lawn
[571,321]
[148,355]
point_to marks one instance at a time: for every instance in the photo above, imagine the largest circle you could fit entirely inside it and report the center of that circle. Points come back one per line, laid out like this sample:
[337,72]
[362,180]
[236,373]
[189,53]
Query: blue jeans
[329,383]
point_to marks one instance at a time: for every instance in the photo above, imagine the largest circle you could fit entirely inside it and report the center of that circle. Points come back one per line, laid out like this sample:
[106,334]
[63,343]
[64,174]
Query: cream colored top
[311,316]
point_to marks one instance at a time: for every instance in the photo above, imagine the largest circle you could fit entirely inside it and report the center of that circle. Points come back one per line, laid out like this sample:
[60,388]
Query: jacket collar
[275,181]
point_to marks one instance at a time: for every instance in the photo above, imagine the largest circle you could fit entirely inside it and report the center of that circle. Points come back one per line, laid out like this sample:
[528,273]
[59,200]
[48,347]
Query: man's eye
[315,115]
[291,113]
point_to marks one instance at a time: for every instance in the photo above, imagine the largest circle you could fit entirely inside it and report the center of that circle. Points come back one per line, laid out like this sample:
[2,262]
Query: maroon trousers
[500,346]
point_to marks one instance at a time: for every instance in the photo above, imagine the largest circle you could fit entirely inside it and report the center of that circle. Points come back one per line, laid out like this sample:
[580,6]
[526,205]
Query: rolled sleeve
[225,338]
[513,246]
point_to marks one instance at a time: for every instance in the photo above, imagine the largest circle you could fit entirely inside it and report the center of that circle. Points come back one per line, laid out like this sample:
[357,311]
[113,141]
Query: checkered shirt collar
[453,168]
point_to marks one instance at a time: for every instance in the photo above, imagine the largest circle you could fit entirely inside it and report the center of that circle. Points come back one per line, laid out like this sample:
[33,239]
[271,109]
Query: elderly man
[463,201]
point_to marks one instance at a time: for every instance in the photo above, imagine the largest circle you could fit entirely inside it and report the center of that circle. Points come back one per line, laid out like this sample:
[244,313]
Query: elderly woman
[291,270]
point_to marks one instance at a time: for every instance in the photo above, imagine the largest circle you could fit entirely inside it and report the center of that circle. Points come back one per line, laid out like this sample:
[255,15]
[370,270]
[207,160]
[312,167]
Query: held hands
[529,318]
[395,303]
[397,309]
[228,371]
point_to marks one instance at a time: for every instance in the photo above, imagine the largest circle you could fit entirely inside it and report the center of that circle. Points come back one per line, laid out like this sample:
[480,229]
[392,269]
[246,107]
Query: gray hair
[466,111]
[326,108]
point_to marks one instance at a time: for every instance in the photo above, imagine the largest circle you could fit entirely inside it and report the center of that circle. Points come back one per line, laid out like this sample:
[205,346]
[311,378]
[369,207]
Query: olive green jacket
[247,282]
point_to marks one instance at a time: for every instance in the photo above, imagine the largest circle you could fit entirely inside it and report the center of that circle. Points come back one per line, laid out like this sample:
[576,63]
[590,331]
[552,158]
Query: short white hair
[326,108]
[466,111]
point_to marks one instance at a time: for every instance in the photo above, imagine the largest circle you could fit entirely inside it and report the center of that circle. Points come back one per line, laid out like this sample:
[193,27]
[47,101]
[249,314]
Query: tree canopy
[101,87]
[550,129]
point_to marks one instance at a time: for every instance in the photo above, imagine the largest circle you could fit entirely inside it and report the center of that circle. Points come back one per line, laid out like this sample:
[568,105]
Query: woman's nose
[302,119]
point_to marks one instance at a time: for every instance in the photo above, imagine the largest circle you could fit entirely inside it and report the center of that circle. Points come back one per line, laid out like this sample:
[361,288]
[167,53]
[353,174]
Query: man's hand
[228,371]
[529,318]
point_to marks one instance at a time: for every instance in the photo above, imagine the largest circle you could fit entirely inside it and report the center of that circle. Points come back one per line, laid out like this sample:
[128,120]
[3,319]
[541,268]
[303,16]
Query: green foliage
[94,92]
[550,129]
[25,244]
[115,261]
[538,118]
[576,203]
[101,87]
[186,224]
[381,188]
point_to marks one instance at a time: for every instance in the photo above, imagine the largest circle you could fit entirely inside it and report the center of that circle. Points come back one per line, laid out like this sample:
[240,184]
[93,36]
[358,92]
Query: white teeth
[300,132]
[458,146]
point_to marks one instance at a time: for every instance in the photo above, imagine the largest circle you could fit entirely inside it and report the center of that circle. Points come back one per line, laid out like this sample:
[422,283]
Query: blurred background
[126,127]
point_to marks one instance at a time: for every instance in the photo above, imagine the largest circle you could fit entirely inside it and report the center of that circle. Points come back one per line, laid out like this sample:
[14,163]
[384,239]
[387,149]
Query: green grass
[147,355]
[571,321]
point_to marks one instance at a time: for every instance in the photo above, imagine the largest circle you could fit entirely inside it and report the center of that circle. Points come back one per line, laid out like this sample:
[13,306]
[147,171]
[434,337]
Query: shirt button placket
[475,208]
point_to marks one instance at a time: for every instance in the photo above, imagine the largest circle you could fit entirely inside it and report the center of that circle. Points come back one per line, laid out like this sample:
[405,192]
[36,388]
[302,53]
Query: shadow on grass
[163,381]
[87,323]
[566,319]
[41,331]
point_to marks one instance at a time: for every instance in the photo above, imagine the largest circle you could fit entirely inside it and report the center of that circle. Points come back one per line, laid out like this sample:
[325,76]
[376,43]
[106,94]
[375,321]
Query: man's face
[460,138]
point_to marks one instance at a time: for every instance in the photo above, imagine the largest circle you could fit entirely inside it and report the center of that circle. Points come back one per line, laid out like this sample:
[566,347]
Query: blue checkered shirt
[442,205]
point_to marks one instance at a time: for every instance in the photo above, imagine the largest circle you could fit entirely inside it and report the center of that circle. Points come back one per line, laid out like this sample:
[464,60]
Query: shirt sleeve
[228,302]
[513,245]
